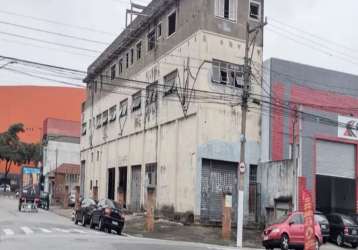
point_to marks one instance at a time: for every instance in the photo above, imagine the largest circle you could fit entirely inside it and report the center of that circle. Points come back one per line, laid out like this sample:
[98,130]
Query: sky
[316,32]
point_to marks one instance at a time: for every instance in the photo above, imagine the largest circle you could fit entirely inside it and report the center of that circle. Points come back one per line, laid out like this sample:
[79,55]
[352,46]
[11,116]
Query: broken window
[151,93]
[113,72]
[123,106]
[227,73]
[159,30]
[255,9]
[170,83]
[84,128]
[105,118]
[120,66]
[226,9]
[172,22]
[136,101]
[132,56]
[151,40]
[113,113]
[139,50]
[99,121]
[151,174]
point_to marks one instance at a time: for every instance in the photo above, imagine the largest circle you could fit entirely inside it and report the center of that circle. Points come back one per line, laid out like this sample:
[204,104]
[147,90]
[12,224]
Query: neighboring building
[65,175]
[61,148]
[30,105]
[325,130]
[135,135]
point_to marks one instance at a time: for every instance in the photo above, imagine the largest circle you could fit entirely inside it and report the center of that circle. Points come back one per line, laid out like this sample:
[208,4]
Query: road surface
[45,230]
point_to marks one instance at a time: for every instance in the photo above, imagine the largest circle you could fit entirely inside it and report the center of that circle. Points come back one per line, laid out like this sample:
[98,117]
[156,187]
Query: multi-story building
[61,150]
[312,117]
[163,110]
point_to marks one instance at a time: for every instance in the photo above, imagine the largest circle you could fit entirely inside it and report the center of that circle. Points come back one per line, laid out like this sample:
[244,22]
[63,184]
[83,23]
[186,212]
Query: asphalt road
[45,230]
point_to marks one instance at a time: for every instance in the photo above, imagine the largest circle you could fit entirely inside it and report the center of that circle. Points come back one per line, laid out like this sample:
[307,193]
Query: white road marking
[27,230]
[45,230]
[61,230]
[78,231]
[8,232]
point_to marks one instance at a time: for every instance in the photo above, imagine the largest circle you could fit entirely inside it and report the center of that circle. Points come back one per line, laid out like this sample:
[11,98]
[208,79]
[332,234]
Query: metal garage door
[217,177]
[335,159]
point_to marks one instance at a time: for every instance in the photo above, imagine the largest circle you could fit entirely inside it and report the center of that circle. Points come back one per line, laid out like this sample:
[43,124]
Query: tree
[13,151]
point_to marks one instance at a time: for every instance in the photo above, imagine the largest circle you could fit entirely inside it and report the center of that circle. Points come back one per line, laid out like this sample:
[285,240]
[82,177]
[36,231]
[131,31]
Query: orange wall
[31,105]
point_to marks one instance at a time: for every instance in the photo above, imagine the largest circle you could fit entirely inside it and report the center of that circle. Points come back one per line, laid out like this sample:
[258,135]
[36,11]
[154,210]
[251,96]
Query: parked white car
[5,188]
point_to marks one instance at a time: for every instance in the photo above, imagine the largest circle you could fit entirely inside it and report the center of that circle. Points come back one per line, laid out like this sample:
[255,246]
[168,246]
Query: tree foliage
[15,152]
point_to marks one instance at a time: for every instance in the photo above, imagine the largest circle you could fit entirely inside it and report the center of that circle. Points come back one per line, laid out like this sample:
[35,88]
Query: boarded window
[227,73]
[151,40]
[136,101]
[113,113]
[172,22]
[123,108]
[170,83]
[105,118]
[151,93]
[226,9]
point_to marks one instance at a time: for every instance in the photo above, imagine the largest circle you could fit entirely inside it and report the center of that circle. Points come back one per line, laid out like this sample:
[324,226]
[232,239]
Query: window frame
[139,51]
[127,60]
[131,59]
[176,21]
[120,66]
[113,72]
[161,30]
[151,90]
[112,114]
[135,96]
[154,40]
[259,11]
[219,15]
[84,128]
[121,105]
[173,89]
[229,68]
[105,117]
[99,121]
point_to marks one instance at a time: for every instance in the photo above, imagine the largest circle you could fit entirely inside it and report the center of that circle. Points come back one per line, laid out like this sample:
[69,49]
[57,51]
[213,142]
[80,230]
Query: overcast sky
[317,32]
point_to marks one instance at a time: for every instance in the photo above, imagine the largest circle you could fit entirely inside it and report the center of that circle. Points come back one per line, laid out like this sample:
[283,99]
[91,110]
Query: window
[123,108]
[127,60]
[105,118]
[253,174]
[255,10]
[113,113]
[84,128]
[170,83]
[226,9]
[99,121]
[297,219]
[159,30]
[228,74]
[151,93]
[172,22]
[139,50]
[95,86]
[120,66]
[113,72]
[132,56]
[151,40]
[136,101]
[151,174]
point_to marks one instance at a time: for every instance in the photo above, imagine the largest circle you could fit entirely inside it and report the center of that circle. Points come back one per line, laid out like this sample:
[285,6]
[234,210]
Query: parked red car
[288,233]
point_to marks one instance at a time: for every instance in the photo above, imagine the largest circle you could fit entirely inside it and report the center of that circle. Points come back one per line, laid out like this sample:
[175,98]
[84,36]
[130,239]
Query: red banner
[310,238]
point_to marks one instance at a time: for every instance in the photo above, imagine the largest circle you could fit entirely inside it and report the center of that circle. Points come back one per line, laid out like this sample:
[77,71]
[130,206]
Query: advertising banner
[348,127]
[310,239]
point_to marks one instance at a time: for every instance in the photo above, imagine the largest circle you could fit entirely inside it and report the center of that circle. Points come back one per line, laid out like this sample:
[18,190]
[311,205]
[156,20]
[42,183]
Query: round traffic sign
[242,167]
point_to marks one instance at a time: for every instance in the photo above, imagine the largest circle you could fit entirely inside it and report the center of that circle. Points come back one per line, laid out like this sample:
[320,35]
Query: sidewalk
[61,211]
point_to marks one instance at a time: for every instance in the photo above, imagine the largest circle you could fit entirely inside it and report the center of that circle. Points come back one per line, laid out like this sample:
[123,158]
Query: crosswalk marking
[78,231]
[61,230]
[8,232]
[45,230]
[27,230]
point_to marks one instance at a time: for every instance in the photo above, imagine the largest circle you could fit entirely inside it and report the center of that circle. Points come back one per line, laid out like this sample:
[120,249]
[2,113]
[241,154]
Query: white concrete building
[163,109]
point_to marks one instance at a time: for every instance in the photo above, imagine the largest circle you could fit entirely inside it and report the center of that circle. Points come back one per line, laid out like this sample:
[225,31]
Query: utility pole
[294,158]
[244,109]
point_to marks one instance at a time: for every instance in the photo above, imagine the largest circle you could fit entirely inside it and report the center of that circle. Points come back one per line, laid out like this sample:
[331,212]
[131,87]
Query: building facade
[61,148]
[320,118]
[162,108]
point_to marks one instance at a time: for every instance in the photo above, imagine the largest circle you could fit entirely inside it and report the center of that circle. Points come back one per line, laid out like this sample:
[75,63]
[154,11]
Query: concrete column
[226,217]
[149,222]
[65,198]
[77,198]
[95,193]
